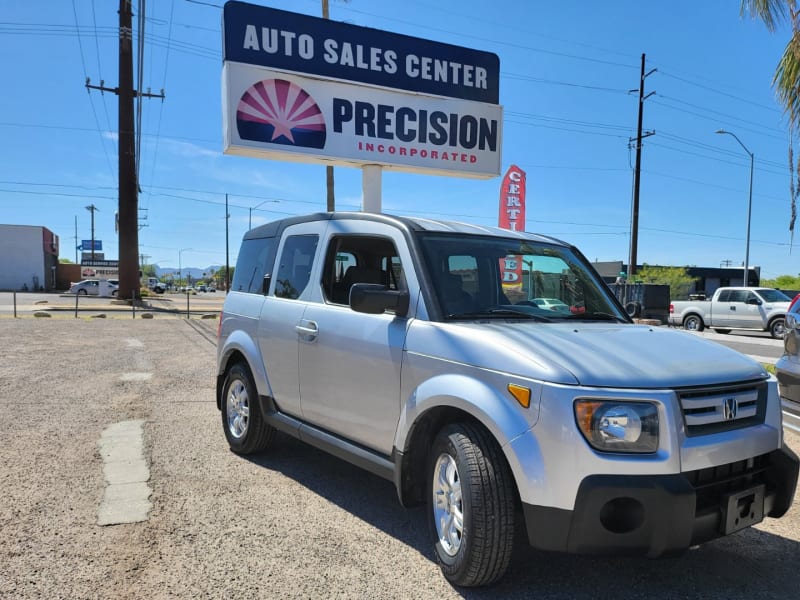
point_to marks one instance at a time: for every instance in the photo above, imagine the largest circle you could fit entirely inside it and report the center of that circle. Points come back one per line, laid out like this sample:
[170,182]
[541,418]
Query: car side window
[294,270]
[738,296]
[360,259]
[724,296]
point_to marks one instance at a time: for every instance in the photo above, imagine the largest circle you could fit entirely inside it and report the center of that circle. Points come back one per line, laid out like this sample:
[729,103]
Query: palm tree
[787,77]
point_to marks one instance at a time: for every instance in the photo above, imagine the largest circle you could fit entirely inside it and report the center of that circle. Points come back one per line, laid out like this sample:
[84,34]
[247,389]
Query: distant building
[30,258]
[706,279]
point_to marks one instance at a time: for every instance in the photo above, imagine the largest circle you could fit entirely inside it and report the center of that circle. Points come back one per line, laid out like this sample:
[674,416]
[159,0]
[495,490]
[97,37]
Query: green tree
[677,278]
[783,282]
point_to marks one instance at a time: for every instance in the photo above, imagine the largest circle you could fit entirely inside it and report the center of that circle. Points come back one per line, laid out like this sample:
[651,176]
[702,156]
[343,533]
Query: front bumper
[656,515]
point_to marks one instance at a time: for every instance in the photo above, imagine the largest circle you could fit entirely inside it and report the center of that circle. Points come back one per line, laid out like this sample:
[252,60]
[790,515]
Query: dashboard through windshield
[490,277]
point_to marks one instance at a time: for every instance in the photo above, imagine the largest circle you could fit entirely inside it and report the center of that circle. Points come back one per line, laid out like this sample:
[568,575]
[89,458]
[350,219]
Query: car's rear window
[256,257]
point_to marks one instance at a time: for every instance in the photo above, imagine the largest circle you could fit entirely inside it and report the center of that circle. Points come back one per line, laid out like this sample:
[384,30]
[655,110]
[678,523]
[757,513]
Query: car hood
[589,354]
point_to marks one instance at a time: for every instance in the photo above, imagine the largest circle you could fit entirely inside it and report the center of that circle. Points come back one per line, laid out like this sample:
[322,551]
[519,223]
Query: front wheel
[470,505]
[777,328]
[693,323]
[242,422]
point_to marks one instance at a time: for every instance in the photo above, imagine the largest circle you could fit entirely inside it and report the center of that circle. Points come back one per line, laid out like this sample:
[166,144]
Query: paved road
[291,523]
[756,344]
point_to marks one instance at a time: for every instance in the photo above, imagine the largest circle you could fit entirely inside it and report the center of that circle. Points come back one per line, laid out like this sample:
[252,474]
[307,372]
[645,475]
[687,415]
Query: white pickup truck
[763,309]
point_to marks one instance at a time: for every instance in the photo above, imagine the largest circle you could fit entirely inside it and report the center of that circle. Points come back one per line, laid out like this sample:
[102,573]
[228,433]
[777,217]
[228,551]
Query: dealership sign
[301,88]
[512,216]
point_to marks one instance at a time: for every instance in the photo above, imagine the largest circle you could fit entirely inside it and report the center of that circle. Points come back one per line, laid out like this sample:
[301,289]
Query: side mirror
[373,299]
[265,284]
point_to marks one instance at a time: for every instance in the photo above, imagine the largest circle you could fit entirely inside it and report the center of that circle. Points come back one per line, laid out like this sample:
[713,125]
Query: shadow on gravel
[750,564]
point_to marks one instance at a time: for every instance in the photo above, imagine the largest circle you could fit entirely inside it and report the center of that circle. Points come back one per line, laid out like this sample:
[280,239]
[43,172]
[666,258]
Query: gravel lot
[291,523]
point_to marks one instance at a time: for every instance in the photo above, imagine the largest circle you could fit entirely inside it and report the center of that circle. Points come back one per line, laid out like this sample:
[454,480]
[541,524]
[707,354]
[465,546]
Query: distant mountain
[194,272]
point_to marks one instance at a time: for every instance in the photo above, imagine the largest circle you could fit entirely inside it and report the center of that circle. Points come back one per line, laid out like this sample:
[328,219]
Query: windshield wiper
[499,313]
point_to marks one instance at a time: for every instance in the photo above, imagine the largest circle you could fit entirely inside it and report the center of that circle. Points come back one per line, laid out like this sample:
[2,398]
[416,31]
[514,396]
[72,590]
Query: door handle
[307,328]
[733,308]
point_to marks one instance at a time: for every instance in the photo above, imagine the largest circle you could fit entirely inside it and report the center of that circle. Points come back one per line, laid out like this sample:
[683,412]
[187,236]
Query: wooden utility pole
[91,208]
[129,282]
[637,174]
[128,211]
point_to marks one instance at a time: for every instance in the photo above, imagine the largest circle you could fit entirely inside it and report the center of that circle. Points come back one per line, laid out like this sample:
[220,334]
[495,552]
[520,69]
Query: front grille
[712,483]
[722,408]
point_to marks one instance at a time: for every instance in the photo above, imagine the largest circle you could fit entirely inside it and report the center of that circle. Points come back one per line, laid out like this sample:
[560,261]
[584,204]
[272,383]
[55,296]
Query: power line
[720,92]
[756,131]
[163,86]
[99,68]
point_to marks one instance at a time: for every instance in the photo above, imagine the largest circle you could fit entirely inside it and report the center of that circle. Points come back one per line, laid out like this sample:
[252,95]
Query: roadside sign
[305,89]
[87,245]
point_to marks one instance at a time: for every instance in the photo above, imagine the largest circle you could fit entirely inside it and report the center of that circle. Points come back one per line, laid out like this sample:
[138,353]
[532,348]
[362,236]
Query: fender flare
[241,343]
[502,417]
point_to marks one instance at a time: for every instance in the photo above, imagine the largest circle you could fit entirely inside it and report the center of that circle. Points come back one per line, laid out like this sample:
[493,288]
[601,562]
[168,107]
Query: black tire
[723,331]
[777,328]
[242,421]
[633,309]
[693,323]
[83,293]
[482,548]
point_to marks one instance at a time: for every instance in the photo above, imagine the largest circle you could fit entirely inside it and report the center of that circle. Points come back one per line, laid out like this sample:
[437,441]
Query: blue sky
[566,71]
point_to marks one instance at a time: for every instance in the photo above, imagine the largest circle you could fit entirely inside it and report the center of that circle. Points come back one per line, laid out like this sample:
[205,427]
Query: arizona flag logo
[276,111]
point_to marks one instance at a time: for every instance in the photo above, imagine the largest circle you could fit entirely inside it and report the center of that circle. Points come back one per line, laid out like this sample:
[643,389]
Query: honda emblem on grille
[729,408]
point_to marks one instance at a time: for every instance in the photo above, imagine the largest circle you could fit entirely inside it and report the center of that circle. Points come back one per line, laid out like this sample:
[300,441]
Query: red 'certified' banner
[512,216]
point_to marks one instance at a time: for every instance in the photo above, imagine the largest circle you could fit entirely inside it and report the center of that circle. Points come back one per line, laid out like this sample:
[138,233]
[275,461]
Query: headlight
[618,426]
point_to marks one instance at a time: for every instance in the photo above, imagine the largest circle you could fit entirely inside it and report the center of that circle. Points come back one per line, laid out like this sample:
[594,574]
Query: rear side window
[294,270]
[738,296]
[256,257]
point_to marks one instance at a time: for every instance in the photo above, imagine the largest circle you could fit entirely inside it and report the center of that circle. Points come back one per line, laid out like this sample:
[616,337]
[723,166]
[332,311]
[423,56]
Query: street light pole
[746,278]
[179,263]
[250,220]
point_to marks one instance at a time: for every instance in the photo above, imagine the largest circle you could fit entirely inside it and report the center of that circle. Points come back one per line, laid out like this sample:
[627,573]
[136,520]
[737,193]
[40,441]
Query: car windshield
[476,277]
[769,295]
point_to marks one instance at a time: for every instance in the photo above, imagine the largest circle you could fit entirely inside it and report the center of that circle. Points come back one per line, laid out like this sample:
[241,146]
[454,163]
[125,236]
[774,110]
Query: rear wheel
[693,323]
[470,505]
[242,422]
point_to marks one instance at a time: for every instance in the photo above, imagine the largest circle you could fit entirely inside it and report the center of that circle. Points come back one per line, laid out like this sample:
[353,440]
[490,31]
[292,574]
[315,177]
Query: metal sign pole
[371,188]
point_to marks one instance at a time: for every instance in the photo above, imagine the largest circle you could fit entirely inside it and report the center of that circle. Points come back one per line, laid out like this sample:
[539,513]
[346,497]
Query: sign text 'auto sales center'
[301,88]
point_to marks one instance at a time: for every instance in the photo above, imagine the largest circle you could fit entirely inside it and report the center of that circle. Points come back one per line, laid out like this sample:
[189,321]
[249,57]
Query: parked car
[202,287]
[551,304]
[414,363]
[762,309]
[794,301]
[788,370]
[94,287]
